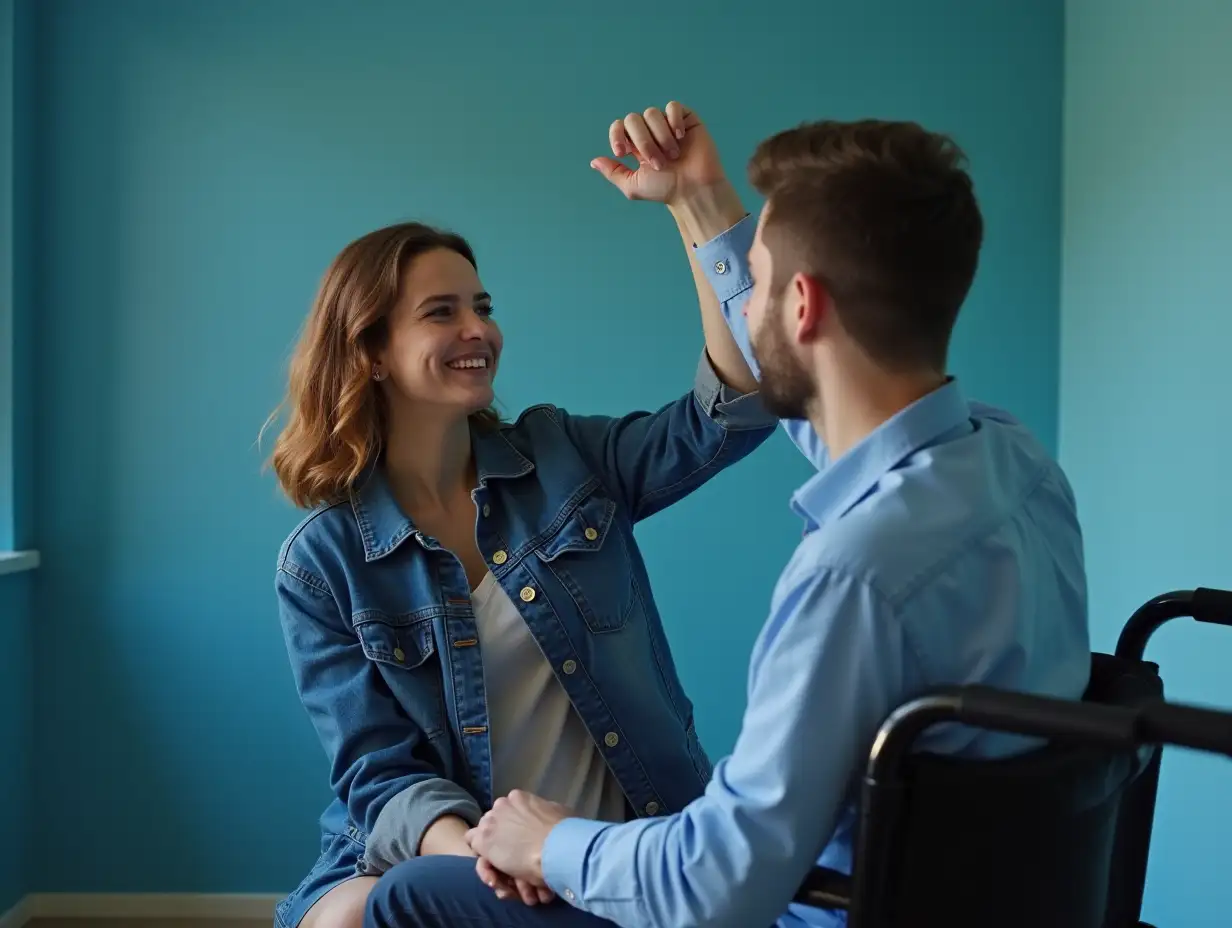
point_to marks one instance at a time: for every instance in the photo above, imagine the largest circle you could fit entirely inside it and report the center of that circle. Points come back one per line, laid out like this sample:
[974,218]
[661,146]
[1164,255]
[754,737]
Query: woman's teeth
[468,363]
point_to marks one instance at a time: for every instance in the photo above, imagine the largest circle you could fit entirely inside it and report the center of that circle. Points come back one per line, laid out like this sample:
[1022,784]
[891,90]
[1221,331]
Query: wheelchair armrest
[825,889]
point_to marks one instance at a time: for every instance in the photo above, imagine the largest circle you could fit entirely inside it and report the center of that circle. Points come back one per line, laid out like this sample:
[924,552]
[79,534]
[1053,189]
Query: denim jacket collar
[384,526]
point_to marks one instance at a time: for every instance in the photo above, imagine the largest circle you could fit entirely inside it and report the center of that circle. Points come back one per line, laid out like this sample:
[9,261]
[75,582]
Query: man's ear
[812,306]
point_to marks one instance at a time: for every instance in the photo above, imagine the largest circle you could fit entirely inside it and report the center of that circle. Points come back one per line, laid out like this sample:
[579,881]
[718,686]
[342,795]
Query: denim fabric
[383,644]
[446,892]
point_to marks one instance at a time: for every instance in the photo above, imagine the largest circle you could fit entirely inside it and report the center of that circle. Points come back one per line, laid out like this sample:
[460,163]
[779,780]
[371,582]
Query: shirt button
[720,267]
[570,666]
[652,808]
[487,510]
[569,895]
[499,557]
[611,739]
[591,534]
[527,594]
[399,655]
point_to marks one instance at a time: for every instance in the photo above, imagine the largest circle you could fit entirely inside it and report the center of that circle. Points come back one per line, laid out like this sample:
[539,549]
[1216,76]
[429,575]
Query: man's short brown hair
[884,215]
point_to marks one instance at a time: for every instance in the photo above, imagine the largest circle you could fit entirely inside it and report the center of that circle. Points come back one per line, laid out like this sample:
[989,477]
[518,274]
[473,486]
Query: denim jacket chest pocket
[403,650]
[588,556]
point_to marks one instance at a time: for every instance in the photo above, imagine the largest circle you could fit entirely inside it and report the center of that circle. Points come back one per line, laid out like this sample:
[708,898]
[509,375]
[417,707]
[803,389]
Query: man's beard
[786,387]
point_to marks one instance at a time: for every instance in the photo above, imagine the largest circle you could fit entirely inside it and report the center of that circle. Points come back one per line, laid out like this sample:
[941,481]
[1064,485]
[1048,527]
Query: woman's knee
[392,900]
[424,891]
[341,907]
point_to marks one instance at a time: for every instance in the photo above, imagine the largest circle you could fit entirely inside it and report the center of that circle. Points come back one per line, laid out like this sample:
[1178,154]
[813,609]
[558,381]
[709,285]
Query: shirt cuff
[564,857]
[725,259]
[728,407]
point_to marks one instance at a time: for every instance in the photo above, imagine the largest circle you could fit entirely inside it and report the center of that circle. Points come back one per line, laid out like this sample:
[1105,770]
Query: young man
[941,541]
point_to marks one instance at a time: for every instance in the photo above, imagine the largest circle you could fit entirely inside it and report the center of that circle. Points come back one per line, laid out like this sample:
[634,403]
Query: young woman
[465,608]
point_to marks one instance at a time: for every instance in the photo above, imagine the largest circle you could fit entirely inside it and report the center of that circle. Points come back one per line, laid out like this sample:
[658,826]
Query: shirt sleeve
[725,262]
[829,665]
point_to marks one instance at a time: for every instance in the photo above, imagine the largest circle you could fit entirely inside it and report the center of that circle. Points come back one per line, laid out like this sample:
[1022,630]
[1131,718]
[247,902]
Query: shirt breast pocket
[589,559]
[403,649]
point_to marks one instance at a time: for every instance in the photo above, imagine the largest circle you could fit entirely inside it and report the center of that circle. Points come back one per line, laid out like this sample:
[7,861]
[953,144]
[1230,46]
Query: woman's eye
[444,312]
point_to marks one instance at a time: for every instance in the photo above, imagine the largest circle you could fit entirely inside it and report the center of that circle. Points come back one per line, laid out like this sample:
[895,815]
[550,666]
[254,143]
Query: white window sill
[12,562]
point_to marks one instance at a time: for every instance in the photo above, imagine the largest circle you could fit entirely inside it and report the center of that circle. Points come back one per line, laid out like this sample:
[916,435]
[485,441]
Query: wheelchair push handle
[1213,606]
[1205,604]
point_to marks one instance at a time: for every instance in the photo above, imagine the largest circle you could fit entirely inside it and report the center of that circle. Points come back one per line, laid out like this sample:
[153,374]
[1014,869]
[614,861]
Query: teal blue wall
[7,89]
[199,169]
[16,450]
[1145,376]
[16,716]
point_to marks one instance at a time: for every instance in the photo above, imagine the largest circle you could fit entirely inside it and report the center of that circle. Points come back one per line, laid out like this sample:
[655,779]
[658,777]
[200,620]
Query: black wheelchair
[1057,837]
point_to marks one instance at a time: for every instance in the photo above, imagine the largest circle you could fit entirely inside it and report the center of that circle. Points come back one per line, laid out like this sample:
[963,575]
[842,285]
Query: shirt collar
[384,526]
[833,491]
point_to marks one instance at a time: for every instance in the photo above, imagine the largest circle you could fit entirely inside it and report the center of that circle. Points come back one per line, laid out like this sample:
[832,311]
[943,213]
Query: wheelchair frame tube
[1203,604]
[984,707]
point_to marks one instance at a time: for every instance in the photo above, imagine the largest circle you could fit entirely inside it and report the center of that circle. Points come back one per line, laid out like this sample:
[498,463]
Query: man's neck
[853,406]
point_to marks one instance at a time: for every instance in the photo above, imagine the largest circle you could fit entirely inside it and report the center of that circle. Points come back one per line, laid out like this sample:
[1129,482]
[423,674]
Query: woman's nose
[474,325]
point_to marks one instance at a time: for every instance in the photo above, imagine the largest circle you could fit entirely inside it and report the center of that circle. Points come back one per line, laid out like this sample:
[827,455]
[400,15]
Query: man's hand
[511,837]
[448,835]
[675,154]
[506,887]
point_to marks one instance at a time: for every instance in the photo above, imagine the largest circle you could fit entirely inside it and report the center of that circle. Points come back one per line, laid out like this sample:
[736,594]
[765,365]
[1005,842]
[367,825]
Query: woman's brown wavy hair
[336,415]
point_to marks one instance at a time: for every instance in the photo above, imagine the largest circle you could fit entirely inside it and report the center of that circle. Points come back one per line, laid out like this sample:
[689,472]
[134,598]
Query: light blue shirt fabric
[943,549]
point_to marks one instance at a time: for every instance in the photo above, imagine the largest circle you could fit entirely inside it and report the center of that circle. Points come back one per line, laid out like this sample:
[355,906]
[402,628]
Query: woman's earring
[377,374]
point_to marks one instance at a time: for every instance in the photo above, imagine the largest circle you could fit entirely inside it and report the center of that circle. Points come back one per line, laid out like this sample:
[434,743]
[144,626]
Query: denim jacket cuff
[730,409]
[400,827]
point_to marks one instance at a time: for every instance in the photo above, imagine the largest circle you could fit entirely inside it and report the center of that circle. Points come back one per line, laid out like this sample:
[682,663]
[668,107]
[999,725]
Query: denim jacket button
[591,534]
[527,594]
[652,808]
[499,558]
[611,739]
[399,655]
[487,510]
[569,666]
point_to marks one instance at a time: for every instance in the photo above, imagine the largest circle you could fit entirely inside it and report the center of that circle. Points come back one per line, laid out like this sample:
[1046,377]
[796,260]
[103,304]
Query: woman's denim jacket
[382,639]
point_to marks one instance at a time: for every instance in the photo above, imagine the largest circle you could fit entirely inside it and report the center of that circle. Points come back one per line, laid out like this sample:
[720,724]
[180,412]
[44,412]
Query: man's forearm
[709,211]
[700,217]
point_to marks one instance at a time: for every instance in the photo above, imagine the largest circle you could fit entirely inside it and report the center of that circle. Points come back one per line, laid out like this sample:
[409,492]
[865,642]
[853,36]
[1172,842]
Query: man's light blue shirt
[943,549]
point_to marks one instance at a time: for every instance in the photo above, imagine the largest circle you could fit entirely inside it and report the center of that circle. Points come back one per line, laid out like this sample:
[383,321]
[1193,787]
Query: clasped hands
[508,842]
